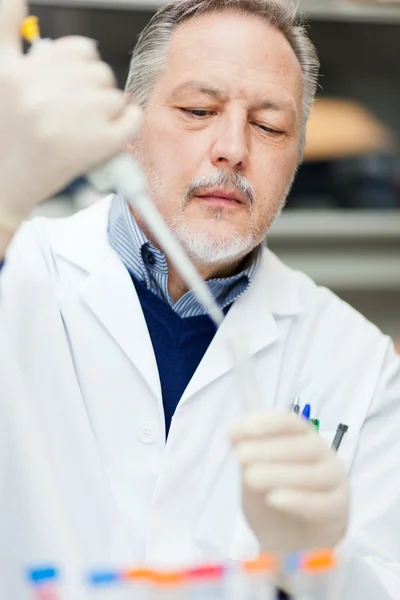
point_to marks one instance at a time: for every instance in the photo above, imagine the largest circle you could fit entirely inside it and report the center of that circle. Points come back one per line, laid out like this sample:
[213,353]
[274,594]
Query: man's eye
[196,112]
[268,129]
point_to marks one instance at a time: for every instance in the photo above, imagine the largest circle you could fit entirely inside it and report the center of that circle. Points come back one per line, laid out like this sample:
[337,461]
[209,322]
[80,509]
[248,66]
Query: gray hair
[149,55]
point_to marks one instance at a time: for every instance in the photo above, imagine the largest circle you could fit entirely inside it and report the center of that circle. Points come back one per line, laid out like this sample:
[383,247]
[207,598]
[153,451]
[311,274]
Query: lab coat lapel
[107,289]
[252,319]
[110,294]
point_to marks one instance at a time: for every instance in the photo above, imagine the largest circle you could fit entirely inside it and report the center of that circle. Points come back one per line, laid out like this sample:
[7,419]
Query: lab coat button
[147,433]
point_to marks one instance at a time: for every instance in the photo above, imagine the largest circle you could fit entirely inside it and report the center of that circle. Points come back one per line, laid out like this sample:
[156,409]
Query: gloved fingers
[112,104]
[91,76]
[308,448]
[68,47]
[100,73]
[12,13]
[314,507]
[323,476]
[269,425]
[126,128]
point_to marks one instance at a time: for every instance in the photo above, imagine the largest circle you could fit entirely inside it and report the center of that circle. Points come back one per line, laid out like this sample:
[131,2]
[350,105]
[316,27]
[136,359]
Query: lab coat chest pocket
[348,445]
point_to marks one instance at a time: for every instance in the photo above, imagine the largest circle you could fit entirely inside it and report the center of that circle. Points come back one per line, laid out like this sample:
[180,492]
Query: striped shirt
[148,264]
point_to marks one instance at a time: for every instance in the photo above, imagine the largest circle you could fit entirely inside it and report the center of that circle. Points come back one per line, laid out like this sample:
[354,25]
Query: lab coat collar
[273,294]
[83,239]
[279,285]
[253,318]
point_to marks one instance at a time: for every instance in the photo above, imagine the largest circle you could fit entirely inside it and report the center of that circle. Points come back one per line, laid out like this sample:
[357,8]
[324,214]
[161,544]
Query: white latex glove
[295,491]
[60,115]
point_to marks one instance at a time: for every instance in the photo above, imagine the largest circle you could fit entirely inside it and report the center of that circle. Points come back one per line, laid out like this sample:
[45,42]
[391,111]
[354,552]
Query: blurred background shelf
[102,4]
[354,253]
[342,10]
[347,10]
[343,250]
[338,225]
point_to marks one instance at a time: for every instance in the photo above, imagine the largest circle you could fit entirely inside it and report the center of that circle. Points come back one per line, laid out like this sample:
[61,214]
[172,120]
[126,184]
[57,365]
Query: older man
[135,391]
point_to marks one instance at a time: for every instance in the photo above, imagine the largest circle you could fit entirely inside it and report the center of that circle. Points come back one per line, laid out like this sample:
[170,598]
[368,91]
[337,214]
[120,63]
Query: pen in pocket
[340,432]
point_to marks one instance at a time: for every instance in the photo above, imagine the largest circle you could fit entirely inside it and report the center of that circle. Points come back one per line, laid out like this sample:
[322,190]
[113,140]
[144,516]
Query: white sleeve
[372,546]
[28,306]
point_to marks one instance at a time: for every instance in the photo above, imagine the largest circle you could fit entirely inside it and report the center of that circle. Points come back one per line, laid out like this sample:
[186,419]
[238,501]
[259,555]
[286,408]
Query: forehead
[241,53]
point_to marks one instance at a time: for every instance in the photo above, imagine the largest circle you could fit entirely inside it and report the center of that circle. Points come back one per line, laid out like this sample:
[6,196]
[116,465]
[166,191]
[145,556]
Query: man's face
[221,134]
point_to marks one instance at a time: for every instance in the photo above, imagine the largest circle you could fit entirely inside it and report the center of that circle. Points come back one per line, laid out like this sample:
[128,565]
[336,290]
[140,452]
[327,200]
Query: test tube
[45,583]
[137,583]
[259,578]
[206,583]
[168,585]
[104,585]
[315,579]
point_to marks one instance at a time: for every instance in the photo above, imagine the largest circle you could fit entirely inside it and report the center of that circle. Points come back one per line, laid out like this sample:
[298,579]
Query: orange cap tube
[319,562]
[265,563]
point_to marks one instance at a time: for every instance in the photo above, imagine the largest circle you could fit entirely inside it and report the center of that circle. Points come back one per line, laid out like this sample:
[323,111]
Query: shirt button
[147,433]
[150,259]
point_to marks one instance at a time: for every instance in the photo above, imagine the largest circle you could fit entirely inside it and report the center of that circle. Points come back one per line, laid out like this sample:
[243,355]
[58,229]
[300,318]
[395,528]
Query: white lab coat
[85,471]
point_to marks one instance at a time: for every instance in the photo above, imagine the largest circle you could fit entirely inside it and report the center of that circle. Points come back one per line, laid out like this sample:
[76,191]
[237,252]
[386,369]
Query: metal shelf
[351,10]
[101,4]
[332,10]
[337,225]
[343,250]
[346,270]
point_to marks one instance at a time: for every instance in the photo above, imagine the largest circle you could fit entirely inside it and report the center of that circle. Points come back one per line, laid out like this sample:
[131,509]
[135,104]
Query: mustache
[231,181]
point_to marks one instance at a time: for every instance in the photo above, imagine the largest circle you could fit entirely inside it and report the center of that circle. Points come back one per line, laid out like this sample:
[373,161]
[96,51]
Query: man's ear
[131,146]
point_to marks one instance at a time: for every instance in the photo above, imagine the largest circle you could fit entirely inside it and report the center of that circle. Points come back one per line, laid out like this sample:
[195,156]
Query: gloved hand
[60,115]
[295,491]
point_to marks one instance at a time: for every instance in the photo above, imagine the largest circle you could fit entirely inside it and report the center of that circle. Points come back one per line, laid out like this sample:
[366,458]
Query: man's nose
[230,148]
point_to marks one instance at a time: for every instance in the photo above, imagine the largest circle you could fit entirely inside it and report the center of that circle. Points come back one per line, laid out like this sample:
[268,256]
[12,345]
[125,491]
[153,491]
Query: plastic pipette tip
[42,574]
[30,29]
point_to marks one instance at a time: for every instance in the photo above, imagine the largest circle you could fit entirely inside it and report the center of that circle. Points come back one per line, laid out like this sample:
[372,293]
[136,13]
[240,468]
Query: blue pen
[306,412]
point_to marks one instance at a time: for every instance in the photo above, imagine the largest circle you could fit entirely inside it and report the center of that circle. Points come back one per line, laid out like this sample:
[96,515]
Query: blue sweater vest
[179,345]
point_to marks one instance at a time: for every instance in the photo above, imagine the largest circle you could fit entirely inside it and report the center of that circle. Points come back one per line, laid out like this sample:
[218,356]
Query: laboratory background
[342,221]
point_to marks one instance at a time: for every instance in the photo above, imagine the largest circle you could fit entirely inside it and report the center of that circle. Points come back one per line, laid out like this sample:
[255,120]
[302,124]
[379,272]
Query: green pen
[315,423]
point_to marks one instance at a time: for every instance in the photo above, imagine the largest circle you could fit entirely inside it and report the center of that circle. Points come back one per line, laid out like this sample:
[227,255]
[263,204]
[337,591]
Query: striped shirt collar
[148,264]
